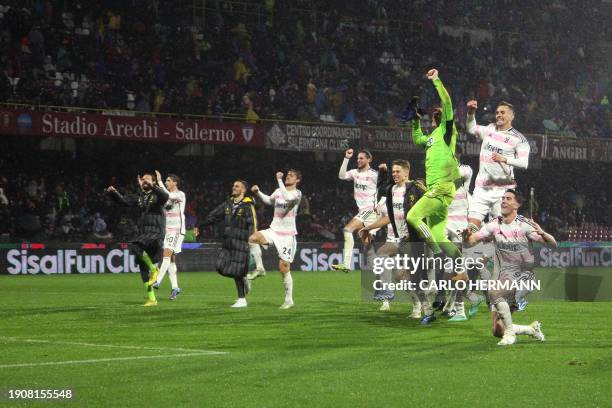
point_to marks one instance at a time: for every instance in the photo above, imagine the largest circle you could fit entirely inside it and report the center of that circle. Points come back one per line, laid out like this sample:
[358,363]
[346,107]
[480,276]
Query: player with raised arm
[503,148]
[429,215]
[175,231]
[365,181]
[150,201]
[512,235]
[282,232]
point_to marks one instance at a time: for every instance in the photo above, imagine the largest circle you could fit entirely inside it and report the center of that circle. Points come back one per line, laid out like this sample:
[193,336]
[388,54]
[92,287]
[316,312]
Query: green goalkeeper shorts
[444,192]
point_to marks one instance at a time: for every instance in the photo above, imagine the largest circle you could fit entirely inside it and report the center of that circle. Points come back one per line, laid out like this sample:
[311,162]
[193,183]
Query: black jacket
[152,221]
[240,221]
[414,191]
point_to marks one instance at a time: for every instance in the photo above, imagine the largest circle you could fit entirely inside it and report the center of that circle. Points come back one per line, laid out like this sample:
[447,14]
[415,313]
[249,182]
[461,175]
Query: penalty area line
[108,360]
[74,343]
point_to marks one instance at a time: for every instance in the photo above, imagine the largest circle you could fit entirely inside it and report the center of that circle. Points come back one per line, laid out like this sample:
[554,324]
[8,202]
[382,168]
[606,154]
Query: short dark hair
[297,173]
[517,195]
[508,104]
[366,152]
[244,183]
[402,163]
[150,173]
[174,178]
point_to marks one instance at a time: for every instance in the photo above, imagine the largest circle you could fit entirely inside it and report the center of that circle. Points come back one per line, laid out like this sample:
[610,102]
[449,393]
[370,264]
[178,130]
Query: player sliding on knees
[175,231]
[365,181]
[512,235]
[429,215]
[282,232]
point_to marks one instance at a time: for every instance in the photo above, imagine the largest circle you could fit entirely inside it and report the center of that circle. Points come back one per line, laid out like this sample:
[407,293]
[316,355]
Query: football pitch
[90,334]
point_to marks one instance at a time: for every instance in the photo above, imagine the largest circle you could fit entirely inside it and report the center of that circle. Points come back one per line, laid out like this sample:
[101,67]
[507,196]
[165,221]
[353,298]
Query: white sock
[425,305]
[172,275]
[416,303]
[288,283]
[349,244]
[162,269]
[503,310]
[459,308]
[473,297]
[520,329]
[450,300]
[255,250]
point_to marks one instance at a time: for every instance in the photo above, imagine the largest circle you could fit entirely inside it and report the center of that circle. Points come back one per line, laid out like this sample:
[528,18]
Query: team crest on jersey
[430,141]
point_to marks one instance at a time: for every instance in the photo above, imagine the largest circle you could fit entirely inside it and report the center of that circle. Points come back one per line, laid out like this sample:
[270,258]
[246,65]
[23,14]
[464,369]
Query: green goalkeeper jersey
[440,162]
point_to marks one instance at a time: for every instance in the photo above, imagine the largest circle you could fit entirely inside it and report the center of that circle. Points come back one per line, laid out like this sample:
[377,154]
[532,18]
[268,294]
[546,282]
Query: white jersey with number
[175,212]
[285,212]
[458,210]
[364,185]
[509,143]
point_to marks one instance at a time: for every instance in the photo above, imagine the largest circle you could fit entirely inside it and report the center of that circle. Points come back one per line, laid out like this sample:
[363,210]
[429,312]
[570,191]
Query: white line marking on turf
[73,343]
[104,360]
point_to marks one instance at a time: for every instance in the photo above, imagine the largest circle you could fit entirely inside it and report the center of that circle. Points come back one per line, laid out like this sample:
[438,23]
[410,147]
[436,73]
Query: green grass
[331,350]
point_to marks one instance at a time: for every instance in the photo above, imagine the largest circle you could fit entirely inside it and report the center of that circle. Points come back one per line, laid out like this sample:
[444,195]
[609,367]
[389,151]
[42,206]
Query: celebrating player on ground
[282,232]
[149,200]
[175,231]
[429,215]
[503,148]
[512,235]
[365,181]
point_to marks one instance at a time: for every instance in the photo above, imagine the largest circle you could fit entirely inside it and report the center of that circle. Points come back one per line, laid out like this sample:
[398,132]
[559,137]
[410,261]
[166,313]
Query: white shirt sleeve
[473,128]
[266,199]
[343,174]
[521,159]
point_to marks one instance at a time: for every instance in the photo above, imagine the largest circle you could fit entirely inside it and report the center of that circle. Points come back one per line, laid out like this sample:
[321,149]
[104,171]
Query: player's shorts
[174,241]
[286,245]
[486,201]
[368,217]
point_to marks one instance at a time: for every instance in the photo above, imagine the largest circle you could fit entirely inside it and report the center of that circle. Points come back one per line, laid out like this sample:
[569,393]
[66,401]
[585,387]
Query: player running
[175,231]
[365,181]
[503,148]
[282,232]
[512,235]
[429,215]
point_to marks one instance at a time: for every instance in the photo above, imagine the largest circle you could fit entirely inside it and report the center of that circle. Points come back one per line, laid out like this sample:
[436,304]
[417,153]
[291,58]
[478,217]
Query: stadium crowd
[69,204]
[311,60]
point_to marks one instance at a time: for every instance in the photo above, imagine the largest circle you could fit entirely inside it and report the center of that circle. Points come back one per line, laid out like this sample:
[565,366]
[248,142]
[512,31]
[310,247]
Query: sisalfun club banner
[53,259]
[134,128]
[45,259]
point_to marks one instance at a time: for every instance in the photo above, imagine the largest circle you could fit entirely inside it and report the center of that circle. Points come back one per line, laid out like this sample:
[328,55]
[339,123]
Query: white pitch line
[105,360]
[73,343]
